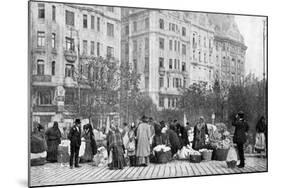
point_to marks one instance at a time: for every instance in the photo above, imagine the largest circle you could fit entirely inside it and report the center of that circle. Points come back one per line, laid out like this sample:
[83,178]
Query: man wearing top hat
[240,137]
[75,141]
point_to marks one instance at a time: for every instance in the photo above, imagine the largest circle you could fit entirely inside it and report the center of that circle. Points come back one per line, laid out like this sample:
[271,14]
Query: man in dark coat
[182,133]
[240,137]
[174,139]
[75,141]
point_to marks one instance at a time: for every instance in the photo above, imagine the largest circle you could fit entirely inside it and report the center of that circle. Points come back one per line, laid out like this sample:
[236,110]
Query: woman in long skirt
[53,137]
[115,148]
[200,132]
[91,147]
[260,135]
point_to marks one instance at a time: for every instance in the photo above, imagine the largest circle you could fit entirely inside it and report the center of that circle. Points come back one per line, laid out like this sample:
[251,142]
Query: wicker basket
[195,158]
[162,157]
[207,155]
[221,154]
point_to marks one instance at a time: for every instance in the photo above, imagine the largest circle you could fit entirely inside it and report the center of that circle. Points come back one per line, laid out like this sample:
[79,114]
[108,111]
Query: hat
[241,114]
[143,118]
[77,121]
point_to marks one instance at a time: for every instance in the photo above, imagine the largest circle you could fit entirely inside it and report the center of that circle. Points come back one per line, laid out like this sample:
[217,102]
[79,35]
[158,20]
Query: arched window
[53,68]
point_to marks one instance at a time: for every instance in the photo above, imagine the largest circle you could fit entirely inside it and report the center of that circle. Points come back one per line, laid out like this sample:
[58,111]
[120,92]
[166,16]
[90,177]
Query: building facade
[173,49]
[156,44]
[60,36]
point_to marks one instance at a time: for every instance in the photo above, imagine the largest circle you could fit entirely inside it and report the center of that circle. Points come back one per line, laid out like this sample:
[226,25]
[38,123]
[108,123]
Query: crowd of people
[133,144]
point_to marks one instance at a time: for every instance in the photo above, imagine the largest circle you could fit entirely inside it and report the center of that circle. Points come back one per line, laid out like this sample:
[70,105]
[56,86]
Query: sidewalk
[54,174]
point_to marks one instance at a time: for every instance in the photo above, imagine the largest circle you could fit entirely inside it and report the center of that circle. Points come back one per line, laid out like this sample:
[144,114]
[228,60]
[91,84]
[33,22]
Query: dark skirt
[52,153]
[118,160]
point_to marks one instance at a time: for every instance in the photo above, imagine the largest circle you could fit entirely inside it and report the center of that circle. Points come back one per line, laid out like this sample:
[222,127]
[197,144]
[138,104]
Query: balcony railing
[70,56]
[41,78]
[45,108]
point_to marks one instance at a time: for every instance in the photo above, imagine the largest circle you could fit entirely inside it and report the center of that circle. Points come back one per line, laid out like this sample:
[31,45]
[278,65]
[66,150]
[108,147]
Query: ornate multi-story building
[156,44]
[60,36]
[174,49]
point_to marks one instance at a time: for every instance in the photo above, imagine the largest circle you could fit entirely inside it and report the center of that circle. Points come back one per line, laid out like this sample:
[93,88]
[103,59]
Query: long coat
[241,127]
[75,136]
[143,136]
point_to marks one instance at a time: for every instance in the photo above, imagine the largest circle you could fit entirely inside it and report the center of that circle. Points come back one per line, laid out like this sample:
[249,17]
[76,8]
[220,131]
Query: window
[175,64]
[127,48]
[40,67]
[53,40]
[210,74]
[44,97]
[161,101]
[146,43]
[92,22]
[40,39]
[135,26]
[127,30]
[173,103]
[109,51]
[69,70]
[205,42]
[199,40]
[146,82]
[183,31]
[135,65]
[98,49]
[92,48]
[161,23]
[161,43]
[69,97]
[135,46]
[110,29]
[205,58]
[179,46]
[69,43]
[179,64]
[169,102]
[171,45]
[85,21]
[85,47]
[170,64]
[146,23]
[177,83]
[69,18]
[199,56]
[175,45]
[161,62]
[184,82]
[146,64]
[193,40]
[98,23]
[53,13]
[193,55]
[183,49]
[161,82]
[183,66]
[168,82]
[41,11]
[210,43]
[53,68]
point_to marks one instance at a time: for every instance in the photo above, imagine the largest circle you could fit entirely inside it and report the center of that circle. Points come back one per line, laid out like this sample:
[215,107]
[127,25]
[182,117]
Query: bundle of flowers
[194,152]
[220,137]
[205,150]
[163,148]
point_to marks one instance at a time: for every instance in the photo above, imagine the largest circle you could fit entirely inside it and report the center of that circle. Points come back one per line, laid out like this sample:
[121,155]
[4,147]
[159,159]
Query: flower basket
[207,155]
[195,158]
[163,157]
[220,154]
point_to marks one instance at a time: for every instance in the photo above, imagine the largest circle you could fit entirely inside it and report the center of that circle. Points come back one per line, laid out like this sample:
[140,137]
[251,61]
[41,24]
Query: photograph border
[265,66]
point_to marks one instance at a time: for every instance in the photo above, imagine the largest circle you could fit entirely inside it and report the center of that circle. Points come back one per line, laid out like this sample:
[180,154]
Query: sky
[252,29]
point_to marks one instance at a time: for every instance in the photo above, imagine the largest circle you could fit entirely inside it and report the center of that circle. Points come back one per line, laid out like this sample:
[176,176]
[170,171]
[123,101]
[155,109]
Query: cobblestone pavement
[55,174]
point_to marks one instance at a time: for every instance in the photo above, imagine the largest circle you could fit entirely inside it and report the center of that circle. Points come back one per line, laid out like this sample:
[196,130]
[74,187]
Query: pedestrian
[75,141]
[173,138]
[53,137]
[91,146]
[240,137]
[131,146]
[261,130]
[199,134]
[115,148]
[143,142]
[182,133]
[64,147]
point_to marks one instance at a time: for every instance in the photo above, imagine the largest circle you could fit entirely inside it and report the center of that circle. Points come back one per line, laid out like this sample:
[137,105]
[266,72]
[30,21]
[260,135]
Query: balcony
[70,56]
[45,108]
[41,78]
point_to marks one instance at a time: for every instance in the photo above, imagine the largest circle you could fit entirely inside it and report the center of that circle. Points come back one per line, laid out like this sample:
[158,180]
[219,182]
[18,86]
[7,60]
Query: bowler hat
[77,121]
